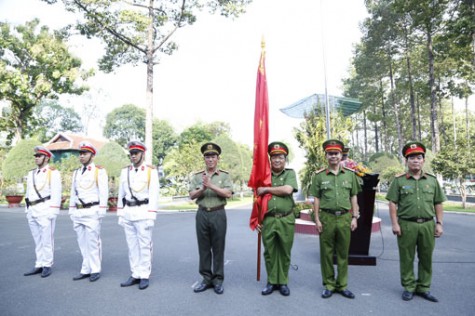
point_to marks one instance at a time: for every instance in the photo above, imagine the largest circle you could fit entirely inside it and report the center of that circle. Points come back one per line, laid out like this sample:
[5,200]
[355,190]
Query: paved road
[175,271]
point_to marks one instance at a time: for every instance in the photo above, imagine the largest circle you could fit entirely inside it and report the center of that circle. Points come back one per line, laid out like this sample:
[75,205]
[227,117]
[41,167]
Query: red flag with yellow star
[260,174]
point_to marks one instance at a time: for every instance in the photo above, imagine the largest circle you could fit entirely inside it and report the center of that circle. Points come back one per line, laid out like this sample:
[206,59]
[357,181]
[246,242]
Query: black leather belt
[86,205]
[417,219]
[46,198]
[136,203]
[210,209]
[278,215]
[336,213]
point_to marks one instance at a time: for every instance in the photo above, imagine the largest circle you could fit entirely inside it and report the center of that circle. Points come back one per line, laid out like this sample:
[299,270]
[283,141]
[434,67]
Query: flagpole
[261,173]
[327,104]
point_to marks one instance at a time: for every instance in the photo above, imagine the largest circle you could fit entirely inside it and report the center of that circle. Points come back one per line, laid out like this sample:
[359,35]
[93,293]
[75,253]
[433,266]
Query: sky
[212,76]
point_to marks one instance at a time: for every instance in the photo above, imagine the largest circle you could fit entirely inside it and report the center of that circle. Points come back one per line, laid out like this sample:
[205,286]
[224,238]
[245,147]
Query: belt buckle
[279,215]
[338,213]
[208,209]
[420,220]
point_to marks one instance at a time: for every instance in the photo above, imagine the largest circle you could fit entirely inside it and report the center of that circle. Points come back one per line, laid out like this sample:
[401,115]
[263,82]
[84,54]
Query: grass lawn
[450,206]
[191,205]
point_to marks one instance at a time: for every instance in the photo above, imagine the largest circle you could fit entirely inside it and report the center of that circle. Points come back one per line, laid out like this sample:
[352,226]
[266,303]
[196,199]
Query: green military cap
[210,149]
[412,148]
[333,145]
[277,148]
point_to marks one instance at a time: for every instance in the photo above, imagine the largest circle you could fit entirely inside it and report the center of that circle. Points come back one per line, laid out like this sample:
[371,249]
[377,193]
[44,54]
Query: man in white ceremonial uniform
[137,209]
[43,199]
[87,206]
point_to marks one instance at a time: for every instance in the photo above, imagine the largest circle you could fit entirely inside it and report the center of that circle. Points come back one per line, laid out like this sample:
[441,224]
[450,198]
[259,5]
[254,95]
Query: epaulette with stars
[430,174]
[52,168]
[199,172]
[318,171]
[400,175]
[99,167]
[221,170]
[151,167]
[349,169]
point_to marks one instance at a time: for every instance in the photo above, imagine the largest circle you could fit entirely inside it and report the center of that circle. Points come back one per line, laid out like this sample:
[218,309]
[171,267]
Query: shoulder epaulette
[199,172]
[289,169]
[400,175]
[318,171]
[52,168]
[220,170]
[99,167]
[430,174]
[151,166]
[348,169]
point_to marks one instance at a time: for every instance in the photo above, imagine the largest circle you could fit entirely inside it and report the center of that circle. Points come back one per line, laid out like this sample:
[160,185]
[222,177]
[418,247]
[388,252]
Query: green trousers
[335,239]
[416,237]
[211,235]
[278,238]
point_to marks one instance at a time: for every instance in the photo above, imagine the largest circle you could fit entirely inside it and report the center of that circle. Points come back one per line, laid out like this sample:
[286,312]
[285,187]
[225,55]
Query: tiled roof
[66,141]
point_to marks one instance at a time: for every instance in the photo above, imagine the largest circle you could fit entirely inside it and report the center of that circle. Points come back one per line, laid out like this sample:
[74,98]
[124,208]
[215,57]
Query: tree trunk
[149,90]
[411,86]
[384,136]
[396,108]
[365,131]
[434,124]
[376,133]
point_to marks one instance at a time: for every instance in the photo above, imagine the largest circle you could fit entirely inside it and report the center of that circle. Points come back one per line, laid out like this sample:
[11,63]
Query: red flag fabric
[260,174]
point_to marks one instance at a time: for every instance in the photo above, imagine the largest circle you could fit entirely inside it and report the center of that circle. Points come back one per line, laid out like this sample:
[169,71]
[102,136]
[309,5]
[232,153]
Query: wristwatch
[356,216]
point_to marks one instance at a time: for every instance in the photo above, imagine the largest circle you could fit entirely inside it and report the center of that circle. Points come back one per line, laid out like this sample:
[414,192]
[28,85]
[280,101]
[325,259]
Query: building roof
[67,141]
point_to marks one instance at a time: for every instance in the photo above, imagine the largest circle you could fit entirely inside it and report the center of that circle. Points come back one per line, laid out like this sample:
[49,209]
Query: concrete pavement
[175,272]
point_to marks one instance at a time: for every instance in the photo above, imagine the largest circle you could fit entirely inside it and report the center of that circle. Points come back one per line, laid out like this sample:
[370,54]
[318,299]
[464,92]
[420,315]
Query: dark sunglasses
[134,152]
[37,155]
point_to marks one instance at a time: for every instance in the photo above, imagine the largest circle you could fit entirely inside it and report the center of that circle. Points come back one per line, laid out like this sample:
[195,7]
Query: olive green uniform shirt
[283,204]
[415,198]
[335,191]
[210,198]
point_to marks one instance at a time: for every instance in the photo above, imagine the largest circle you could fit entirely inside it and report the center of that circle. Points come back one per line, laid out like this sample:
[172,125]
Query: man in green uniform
[279,221]
[336,212]
[415,197]
[211,187]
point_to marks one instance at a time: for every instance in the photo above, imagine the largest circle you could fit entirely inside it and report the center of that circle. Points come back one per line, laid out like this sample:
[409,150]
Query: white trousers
[139,241]
[88,230]
[42,230]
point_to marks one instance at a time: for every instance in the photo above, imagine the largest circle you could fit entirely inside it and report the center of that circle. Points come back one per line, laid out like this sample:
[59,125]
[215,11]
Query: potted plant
[14,194]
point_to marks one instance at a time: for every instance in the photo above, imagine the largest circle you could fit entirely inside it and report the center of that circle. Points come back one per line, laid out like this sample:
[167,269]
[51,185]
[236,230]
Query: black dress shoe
[143,284]
[81,276]
[427,296]
[284,290]
[202,287]
[218,289]
[94,277]
[46,272]
[346,293]
[33,272]
[131,281]
[268,289]
[407,296]
[326,293]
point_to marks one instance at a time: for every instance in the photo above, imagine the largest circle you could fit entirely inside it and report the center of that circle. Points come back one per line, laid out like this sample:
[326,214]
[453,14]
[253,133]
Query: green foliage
[34,64]
[66,167]
[19,160]
[203,132]
[113,158]
[125,123]
[387,165]
[312,134]
[164,138]
[54,118]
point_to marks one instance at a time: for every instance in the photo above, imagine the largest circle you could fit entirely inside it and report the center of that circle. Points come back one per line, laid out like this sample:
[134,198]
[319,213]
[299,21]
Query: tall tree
[34,64]
[125,123]
[54,118]
[141,30]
